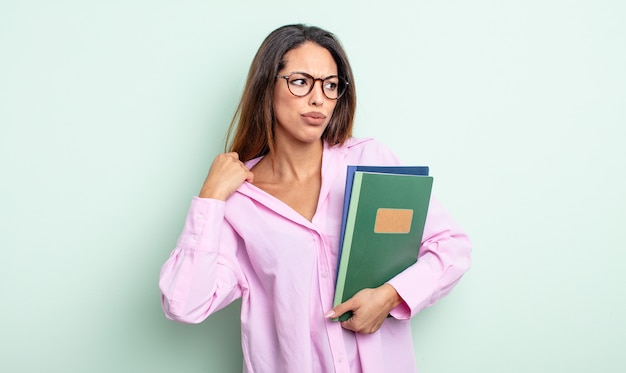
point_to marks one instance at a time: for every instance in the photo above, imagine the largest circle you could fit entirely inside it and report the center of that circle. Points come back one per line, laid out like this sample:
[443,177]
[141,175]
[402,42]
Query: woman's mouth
[314,117]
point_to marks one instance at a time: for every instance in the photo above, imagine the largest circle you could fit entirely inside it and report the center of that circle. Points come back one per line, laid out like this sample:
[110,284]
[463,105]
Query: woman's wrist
[394,299]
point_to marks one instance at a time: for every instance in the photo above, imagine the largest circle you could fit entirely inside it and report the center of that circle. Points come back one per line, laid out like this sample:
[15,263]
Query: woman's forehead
[310,58]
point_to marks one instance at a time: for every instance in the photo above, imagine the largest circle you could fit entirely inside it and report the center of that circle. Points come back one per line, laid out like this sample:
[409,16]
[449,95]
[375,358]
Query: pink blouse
[255,247]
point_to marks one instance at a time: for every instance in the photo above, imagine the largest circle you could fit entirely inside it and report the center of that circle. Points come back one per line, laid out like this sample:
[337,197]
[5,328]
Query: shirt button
[324,274]
[193,237]
[340,359]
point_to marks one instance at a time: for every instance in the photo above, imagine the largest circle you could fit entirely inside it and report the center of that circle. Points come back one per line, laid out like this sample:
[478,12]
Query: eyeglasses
[301,84]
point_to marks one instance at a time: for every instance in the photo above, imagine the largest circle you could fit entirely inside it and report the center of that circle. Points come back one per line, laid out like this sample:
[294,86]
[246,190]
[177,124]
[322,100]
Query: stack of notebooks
[384,214]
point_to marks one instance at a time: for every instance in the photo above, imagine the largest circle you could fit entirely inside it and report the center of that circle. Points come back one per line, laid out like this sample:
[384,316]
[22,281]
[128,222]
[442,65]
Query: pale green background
[111,112]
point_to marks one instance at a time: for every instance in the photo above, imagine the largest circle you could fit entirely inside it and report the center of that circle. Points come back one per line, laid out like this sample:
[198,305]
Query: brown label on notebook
[393,221]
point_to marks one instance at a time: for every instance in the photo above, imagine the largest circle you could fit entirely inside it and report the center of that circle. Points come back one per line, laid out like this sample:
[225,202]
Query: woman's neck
[296,162]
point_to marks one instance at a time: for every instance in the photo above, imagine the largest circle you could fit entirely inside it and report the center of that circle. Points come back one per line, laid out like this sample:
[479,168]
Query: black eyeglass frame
[341,80]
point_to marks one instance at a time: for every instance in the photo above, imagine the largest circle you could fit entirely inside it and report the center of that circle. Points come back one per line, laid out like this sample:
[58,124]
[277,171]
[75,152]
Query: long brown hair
[254,118]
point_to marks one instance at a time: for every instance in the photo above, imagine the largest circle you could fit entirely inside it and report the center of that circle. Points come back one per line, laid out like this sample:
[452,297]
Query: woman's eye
[330,86]
[298,82]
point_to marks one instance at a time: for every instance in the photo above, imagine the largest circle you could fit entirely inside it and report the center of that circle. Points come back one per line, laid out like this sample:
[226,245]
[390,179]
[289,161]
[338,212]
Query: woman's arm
[202,274]
[444,258]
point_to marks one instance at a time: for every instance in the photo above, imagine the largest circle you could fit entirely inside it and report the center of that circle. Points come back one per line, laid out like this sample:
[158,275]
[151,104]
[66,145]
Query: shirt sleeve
[202,274]
[444,258]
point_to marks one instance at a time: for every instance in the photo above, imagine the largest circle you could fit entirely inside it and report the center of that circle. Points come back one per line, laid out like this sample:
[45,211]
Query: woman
[265,225]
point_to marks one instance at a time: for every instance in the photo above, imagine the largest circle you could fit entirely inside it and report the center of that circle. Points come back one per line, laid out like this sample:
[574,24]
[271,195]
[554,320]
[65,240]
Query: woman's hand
[369,307]
[226,174]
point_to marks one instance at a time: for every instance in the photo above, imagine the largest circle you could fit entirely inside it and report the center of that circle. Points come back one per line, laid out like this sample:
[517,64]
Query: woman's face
[304,119]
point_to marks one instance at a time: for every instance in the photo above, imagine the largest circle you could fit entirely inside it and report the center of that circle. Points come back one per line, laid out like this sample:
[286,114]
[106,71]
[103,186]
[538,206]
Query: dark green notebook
[383,231]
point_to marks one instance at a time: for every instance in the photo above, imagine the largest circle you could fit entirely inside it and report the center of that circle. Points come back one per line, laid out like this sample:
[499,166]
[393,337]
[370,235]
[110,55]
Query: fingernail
[329,314]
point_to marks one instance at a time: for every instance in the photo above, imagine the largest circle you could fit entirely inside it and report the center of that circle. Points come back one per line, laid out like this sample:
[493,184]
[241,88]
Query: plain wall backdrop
[111,113]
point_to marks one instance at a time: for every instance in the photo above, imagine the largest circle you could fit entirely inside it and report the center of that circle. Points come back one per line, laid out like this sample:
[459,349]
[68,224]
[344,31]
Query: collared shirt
[283,267]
